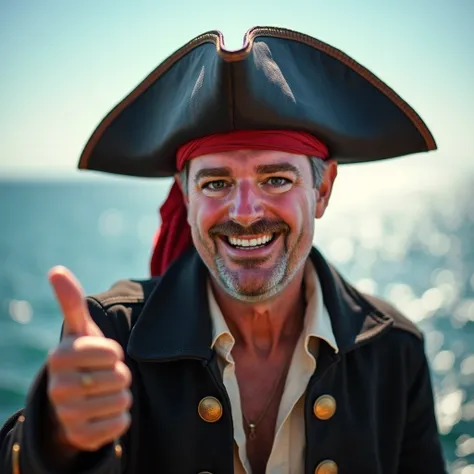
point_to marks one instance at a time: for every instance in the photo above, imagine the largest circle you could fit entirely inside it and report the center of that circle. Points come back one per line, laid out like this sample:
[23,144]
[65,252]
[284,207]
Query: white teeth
[250,242]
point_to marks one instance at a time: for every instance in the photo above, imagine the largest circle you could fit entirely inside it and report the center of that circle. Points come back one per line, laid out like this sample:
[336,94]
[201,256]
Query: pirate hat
[280,80]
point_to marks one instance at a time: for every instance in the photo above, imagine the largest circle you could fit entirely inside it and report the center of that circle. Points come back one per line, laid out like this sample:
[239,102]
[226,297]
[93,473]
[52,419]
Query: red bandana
[174,235]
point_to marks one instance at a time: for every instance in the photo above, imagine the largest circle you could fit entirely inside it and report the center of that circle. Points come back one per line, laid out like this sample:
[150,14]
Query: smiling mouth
[249,243]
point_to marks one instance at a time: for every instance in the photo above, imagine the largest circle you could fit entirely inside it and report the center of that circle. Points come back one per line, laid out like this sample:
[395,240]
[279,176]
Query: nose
[246,207]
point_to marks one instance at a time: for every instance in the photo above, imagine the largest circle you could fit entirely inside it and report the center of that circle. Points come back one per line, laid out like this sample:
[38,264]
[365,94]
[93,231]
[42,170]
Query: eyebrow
[222,172]
[277,168]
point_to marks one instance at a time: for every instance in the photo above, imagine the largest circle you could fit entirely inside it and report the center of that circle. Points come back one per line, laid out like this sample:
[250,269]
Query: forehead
[246,160]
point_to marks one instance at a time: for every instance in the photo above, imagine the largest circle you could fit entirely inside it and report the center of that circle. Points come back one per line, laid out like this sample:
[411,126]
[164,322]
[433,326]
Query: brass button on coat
[324,407]
[210,409]
[326,467]
[118,450]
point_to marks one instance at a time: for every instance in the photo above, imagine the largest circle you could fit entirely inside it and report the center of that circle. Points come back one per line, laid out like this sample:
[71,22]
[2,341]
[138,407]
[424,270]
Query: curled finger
[94,408]
[76,384]
[92,435]
[85,353]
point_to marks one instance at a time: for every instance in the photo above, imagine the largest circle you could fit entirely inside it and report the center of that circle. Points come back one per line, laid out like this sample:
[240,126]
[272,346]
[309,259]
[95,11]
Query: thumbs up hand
[88,384]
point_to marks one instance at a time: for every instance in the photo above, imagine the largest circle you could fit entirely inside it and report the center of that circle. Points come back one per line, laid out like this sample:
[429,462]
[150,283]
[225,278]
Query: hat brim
[280,79]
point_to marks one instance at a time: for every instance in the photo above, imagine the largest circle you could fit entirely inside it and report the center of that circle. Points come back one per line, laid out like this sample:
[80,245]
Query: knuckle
[115,345]
[104,343]
[125,420]
[117,427]
[121,424]
[125,399]
[124,376]
[115,350]
[118,378]
[110,350]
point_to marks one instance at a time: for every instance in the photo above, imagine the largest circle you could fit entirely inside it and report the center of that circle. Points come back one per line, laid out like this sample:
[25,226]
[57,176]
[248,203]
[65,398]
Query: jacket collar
[175,322]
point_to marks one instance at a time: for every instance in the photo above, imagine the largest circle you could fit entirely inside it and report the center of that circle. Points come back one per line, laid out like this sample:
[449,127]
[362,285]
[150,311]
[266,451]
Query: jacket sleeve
[421,446]
[21,436]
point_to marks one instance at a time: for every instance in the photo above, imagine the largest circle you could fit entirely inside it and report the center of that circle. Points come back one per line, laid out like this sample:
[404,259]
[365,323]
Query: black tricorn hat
[279,79]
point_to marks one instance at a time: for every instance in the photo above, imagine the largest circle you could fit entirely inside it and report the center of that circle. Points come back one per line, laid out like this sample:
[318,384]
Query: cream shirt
[287,455]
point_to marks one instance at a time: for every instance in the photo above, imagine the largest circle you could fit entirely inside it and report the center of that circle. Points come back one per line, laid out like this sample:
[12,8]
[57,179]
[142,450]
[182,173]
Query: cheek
[203,212]
[296,208]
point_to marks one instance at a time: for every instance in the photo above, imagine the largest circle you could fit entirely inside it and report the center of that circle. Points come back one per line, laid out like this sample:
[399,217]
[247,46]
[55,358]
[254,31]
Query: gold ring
[87,380]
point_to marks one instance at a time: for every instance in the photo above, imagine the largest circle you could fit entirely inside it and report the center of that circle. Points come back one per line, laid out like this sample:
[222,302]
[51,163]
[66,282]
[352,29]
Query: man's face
[252,218]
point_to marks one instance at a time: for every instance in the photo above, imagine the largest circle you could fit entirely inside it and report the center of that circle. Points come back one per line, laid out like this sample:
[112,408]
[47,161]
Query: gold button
[118,450]
[326,467]
[324,407]
[210,409]
[16,458]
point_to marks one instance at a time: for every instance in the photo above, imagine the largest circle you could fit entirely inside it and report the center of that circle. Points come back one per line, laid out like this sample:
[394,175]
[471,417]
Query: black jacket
[384,421]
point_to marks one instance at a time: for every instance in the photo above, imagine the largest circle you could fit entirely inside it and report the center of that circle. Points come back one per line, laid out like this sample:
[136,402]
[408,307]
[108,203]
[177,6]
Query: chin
[251,284]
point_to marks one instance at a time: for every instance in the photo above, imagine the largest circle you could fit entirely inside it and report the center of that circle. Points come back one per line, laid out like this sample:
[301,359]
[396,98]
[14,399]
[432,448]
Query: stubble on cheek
[206,245]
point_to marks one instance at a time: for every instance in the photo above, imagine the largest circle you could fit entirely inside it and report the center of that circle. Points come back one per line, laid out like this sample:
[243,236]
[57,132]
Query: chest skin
[261,388]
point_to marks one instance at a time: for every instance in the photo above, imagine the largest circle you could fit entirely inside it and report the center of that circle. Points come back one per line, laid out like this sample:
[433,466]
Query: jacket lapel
[175,321]
[354,320]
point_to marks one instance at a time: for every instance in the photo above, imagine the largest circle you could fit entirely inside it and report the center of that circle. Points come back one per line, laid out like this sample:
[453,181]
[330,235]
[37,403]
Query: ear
[323,194]
[181,188]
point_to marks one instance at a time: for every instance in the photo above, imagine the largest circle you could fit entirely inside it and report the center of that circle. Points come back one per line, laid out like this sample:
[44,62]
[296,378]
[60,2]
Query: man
[246,352]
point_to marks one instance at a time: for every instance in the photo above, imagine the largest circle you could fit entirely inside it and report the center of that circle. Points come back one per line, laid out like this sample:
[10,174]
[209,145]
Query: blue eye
[278,181]
[217,185]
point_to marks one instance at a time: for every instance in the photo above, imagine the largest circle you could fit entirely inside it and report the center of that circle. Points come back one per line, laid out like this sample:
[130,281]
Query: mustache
[260,227]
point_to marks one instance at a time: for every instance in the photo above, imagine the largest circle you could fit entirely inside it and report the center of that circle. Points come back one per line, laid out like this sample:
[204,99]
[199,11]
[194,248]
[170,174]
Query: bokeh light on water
[415,250]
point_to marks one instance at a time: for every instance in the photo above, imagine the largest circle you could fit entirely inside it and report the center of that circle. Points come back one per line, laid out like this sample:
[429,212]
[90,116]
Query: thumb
[71,299]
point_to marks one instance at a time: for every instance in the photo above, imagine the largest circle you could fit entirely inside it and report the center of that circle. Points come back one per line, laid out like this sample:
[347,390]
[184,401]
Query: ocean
[415,249]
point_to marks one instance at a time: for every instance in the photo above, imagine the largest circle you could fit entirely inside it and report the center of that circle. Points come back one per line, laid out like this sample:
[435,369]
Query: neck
[261,329]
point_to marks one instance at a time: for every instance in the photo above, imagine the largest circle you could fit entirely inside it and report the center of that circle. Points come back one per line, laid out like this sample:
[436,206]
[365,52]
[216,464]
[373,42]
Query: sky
[64,65]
